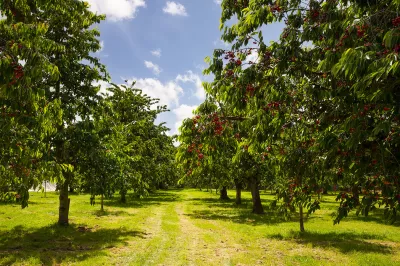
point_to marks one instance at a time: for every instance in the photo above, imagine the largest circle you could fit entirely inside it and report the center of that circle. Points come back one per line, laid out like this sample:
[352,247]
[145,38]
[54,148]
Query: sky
[161,45]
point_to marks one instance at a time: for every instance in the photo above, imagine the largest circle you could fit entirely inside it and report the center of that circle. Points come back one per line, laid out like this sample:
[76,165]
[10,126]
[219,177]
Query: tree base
[223,194]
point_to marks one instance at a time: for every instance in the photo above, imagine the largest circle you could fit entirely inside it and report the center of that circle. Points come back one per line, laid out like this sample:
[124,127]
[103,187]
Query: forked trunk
[255,194]
[63,209]
[223,194]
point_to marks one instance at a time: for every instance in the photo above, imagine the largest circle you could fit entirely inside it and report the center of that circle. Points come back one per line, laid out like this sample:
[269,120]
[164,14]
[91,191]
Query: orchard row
[319,108]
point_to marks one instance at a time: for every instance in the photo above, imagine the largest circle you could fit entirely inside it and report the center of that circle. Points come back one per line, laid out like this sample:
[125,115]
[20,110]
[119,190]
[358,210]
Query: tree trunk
[63,209]
[301,218]
[123,196]
[223,194]
[238,193]
[102,203]
[356,196]
[255,194]
[64,201]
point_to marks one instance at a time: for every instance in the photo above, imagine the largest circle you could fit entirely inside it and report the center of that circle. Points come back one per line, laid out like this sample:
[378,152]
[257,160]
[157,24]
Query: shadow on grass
[242,213]
[344,242]
[45,201]
[156,198]
[234,213]
[12,204]
[55,244]
[216,202]
[376,216]
[243,216]
[111,213]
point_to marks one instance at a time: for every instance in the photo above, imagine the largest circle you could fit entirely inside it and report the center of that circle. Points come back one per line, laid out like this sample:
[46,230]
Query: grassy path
[188,227]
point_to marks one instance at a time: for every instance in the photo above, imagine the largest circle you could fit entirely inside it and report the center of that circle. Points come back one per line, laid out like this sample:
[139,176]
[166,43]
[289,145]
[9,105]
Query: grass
[188,227]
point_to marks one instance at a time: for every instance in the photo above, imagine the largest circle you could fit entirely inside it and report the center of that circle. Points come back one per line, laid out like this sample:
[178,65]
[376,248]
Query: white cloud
[218,2]
[253,57]
[182,112]
[101,47]
[168,93]
[195,79]
[116,10]
[156,52]
[176,143]
[156,69]
[103,86]
[201,67]
[221,43]
[175,9]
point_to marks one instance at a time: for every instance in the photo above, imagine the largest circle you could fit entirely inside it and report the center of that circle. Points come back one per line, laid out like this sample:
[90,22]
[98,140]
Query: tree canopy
[317,109]
[59,126]
[319,106]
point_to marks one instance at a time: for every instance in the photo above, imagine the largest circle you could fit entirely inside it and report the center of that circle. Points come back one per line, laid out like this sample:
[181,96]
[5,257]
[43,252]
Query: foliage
[322,102]
[138,151]
[205,153]
[58,124]
[27,117]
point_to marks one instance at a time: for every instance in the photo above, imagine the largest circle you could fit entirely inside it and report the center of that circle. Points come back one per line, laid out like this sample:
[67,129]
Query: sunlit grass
[189,227]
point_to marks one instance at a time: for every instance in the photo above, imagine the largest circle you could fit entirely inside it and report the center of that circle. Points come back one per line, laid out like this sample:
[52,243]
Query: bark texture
[255,194]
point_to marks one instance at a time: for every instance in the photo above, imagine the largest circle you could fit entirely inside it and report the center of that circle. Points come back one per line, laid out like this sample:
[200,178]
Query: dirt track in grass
[188,227]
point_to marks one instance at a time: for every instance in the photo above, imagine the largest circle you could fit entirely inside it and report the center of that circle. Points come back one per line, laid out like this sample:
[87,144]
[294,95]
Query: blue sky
[162,45]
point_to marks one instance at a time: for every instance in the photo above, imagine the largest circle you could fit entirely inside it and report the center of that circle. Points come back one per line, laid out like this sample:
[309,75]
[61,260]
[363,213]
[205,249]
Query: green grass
[188,227]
